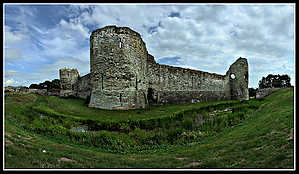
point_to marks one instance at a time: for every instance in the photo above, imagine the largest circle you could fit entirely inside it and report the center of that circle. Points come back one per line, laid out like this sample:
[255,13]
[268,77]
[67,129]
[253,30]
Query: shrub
[172,134]
[186,124]
[241,115]
[240,108]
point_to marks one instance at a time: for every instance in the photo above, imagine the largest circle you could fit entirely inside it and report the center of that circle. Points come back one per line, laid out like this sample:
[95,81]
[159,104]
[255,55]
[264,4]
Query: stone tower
[118,65]
[69,82]
[238,79]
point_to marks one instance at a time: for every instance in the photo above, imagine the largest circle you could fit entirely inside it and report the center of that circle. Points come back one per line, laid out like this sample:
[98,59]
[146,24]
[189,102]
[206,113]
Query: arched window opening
[232,76]
[102,81]
[136,83]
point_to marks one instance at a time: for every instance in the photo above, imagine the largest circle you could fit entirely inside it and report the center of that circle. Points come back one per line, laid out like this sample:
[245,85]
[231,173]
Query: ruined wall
[124,76]
[238,79]
[73,85]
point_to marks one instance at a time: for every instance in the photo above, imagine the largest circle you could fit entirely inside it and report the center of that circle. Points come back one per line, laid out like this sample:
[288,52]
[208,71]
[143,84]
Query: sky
[39,39]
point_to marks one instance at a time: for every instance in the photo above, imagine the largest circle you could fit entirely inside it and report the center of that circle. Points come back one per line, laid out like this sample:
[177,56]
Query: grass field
[74,106]
[221,134]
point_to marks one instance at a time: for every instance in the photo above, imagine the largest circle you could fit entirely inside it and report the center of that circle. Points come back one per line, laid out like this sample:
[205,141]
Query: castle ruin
[123,75]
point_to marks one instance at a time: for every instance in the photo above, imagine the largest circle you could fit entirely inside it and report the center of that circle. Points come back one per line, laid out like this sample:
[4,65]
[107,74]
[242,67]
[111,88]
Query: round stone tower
[238,79]
[69,82]
[118,61]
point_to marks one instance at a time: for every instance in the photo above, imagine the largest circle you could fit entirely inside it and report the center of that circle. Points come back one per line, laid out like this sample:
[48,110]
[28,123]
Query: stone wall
[84,86]
[169,85]
[260,93]
[123,75]
[53,93]
[27,90]
[24,89]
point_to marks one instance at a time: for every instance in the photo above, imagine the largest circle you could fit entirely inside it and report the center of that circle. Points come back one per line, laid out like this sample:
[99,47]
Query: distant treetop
[275,81]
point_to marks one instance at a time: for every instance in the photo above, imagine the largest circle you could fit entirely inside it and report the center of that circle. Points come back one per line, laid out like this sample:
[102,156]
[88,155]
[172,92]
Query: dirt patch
[29,138]
[8,143]
[65,159]
[291,135]
[48,102]
[244,164]
[7,134]
[273,132]
[193,164]
[182,158]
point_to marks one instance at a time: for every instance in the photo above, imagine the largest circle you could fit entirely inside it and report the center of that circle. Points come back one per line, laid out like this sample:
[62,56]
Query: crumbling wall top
[118,30]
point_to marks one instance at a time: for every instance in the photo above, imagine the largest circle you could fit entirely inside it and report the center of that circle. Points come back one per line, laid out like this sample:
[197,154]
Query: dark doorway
[150,94]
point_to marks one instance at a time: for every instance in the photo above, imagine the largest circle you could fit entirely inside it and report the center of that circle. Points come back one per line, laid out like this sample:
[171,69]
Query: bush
[187,124]
[240,108]
[172,134]
[241,115]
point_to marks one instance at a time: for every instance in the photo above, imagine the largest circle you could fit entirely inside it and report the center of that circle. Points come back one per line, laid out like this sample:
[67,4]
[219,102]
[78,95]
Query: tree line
[46,85]
[272,81]
[275,81]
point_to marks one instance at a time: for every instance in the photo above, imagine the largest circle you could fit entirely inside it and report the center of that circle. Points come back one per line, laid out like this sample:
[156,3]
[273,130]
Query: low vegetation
[51,132]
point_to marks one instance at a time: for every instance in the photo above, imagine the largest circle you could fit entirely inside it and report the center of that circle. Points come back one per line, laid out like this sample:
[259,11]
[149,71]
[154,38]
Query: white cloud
[44,72]
[13,37]
[14,78]
[13,41]
[75,25]
[64,62]
[205,37]
[11,82]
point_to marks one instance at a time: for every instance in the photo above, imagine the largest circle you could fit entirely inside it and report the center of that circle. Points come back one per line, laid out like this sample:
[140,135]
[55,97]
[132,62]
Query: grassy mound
[227,134]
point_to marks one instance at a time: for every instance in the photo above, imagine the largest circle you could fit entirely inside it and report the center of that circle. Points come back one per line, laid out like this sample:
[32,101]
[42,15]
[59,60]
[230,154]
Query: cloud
[13,41]
[13,37]
[75,25]
[64,62]
[44,72]
[204,37]
[11,82]
[14,78]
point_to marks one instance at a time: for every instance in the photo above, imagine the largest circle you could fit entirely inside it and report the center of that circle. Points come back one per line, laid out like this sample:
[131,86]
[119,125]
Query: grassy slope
[263,141]
[77,108]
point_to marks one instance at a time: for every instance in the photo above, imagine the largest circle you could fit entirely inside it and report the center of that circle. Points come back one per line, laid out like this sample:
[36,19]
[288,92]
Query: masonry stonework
[123,75]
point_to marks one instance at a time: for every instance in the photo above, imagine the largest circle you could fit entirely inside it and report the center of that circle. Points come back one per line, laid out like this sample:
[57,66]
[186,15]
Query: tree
[274,81]
[47,84]
[55,83]
[41,86]
[33,86]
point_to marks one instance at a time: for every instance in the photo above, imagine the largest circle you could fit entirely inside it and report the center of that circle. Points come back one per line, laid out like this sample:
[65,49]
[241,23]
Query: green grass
[263,139]
[76,107]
